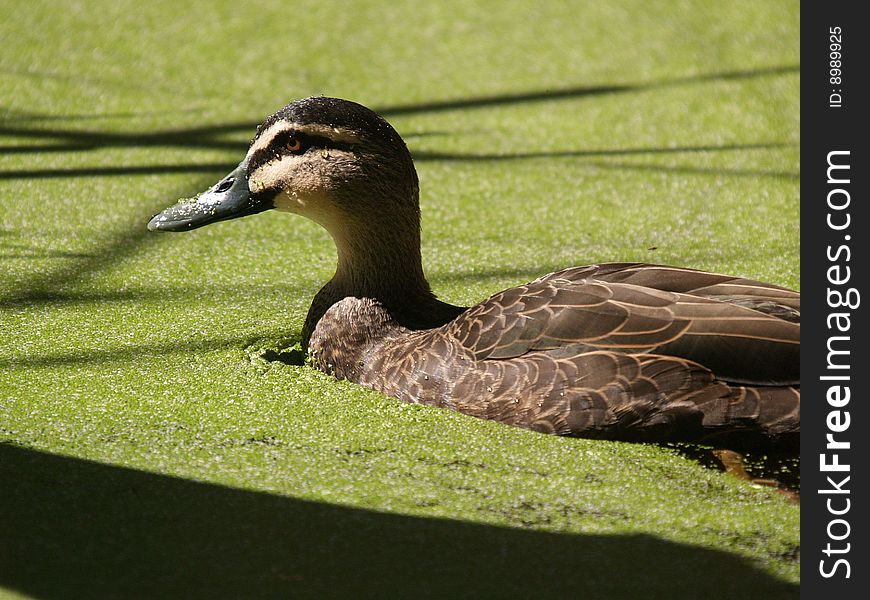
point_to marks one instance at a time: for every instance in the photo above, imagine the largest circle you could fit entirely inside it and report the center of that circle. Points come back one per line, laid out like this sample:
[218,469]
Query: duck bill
[229,198]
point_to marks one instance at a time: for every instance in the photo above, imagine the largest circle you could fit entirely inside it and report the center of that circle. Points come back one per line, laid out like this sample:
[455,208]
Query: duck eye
[294,144]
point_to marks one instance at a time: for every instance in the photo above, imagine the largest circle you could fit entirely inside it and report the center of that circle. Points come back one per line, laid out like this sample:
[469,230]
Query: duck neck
[379,263]
[383,264]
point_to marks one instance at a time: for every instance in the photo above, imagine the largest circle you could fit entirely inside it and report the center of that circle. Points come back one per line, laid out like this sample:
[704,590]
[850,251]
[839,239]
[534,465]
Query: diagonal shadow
[134,352]
[423,156]
[25,116]
[75,78]
[203,137]
[681,169]
[128,242]
[60,297]
[122,244]
[43,148]
[214,167]
[688,170]
[79,529]
[581,91]
[94,145]
[83,140]
[45,254]
[189,137]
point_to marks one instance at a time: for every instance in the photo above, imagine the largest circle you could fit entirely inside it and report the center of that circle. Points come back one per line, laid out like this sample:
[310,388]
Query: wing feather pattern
[607,308]
[616,351]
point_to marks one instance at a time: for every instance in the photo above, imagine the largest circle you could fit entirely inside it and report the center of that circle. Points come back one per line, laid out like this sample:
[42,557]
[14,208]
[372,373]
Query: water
[781,470]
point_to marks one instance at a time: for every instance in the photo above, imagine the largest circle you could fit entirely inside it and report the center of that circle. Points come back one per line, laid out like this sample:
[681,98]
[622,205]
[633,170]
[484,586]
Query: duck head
[331,160]
[343,166]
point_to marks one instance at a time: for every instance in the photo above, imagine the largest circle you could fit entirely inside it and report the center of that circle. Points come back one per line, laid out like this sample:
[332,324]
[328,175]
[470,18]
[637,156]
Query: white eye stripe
[335,134]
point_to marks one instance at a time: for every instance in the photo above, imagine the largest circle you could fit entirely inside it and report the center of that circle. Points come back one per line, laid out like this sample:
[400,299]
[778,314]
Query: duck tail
[752,416]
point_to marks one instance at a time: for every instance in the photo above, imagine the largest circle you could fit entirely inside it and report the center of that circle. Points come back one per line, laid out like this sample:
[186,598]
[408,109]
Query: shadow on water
[212,167]
[294,356]
[582,91]
[425,156]
[9,115]
[78,529]
[42,287]
[207,136]
[164,295]
[776,467]
[604,152]
[131,240]
[625,166]
[133,353]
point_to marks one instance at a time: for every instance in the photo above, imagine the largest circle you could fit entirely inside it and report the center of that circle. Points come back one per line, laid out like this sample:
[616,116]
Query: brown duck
[620,351]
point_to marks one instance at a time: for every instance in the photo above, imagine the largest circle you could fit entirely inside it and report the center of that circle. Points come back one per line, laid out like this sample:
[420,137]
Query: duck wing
[742,331]
[632,397]
[613,351]
[767,298]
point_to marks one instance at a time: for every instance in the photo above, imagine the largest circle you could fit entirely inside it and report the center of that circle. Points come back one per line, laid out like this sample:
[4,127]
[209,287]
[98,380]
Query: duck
[621,351]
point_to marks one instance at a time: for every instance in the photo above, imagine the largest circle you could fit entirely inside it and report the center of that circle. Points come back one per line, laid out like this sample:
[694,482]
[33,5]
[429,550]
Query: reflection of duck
[620,351]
